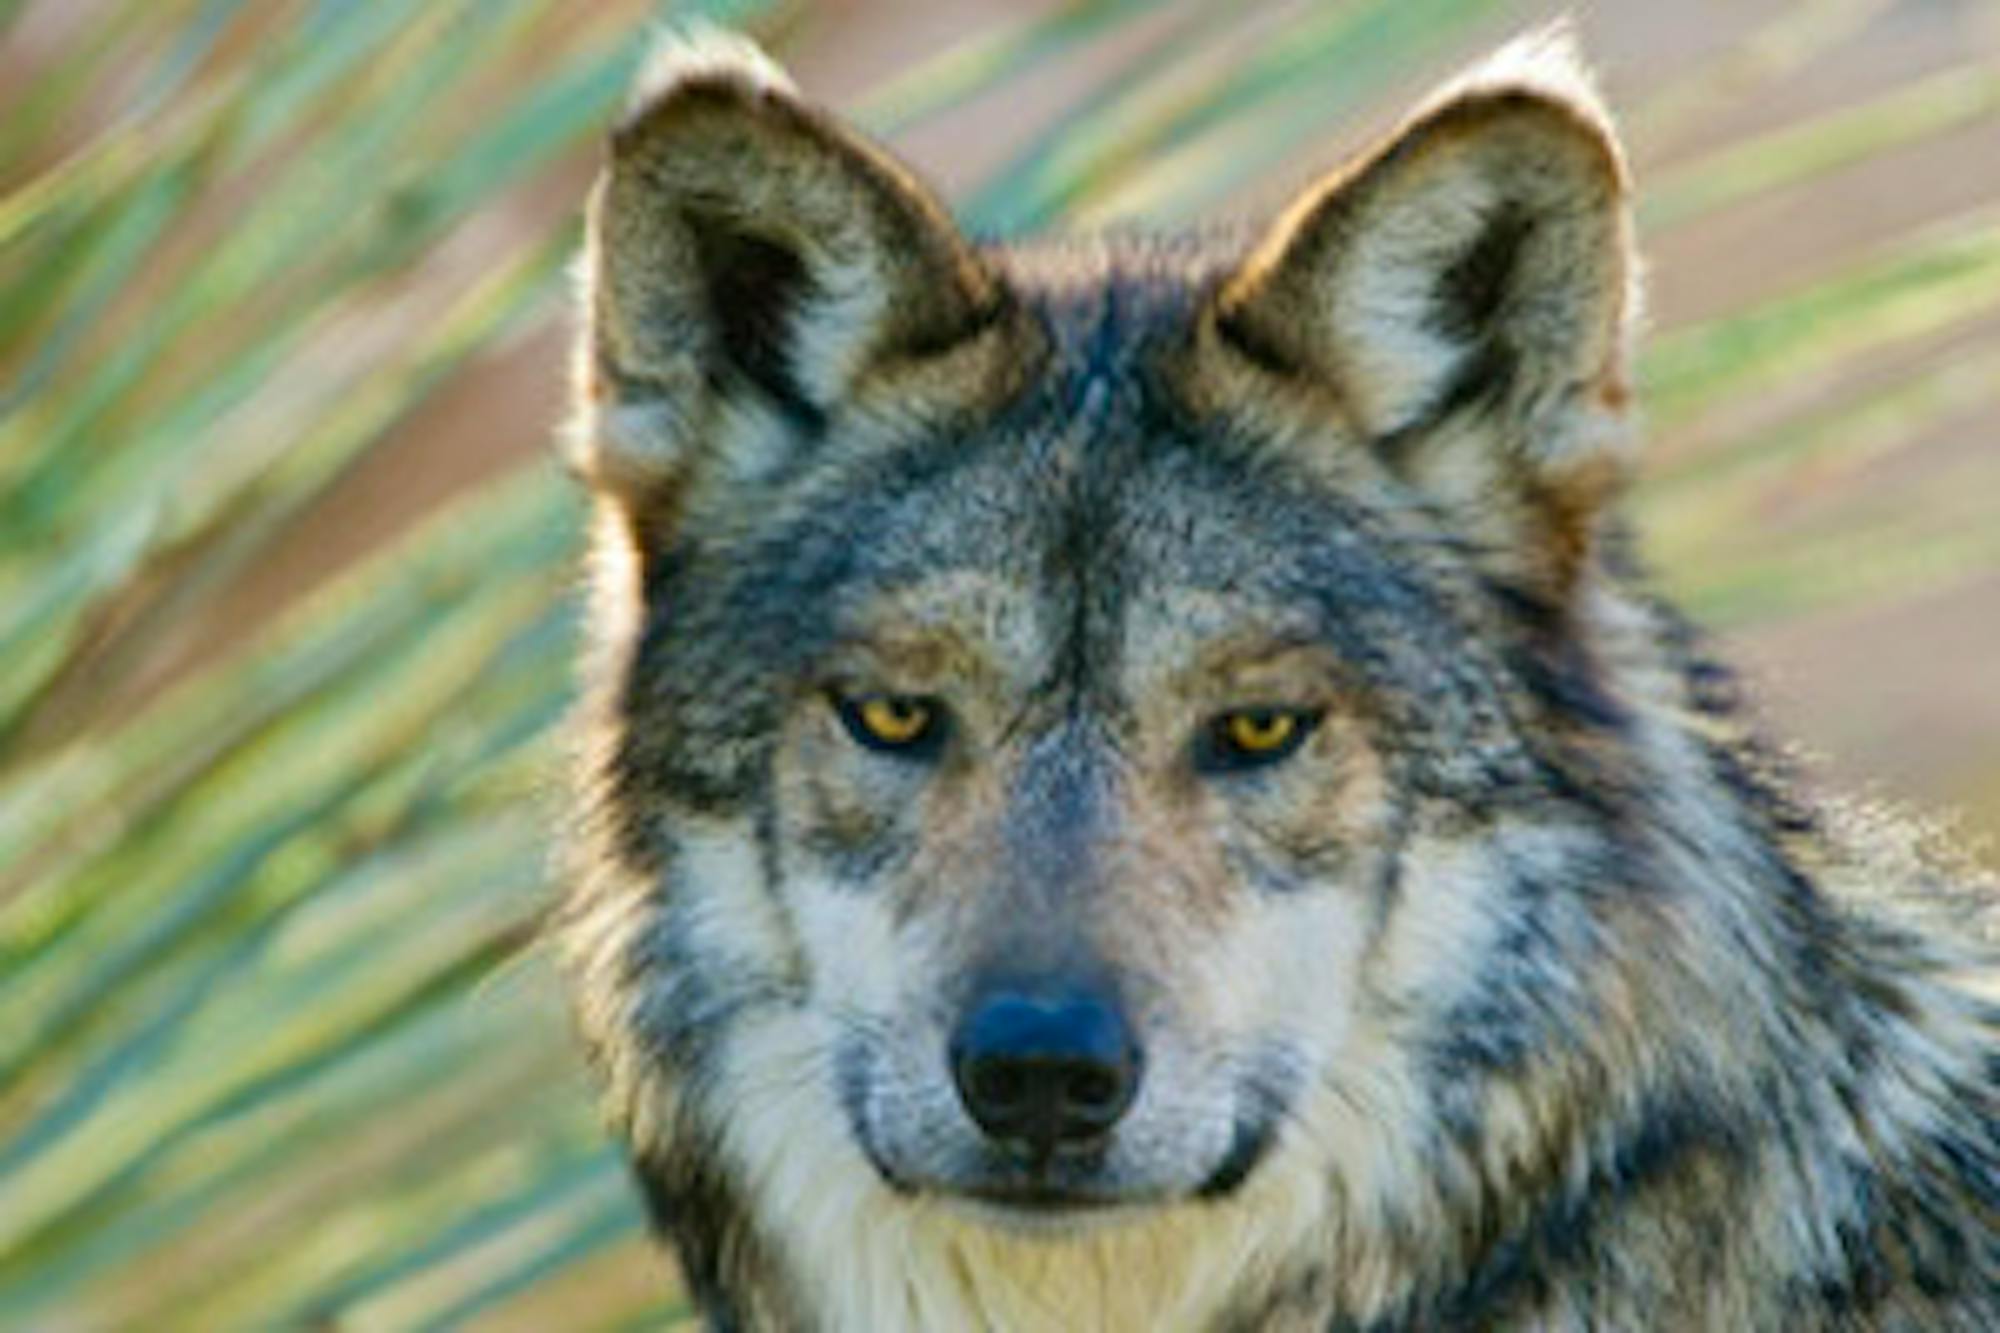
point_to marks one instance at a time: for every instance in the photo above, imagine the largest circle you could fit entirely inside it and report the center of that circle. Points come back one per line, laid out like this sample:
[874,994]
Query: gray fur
[1528,994]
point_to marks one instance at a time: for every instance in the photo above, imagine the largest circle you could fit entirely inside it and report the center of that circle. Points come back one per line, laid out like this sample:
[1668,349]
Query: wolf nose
[1045,1072]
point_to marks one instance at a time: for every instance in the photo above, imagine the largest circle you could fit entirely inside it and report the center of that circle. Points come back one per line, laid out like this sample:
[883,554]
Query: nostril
[998,1085]
[1094,1088]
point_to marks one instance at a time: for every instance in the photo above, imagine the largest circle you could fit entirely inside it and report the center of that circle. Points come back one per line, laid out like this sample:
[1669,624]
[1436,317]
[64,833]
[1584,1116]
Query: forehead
[1116,546]
[1138,547]
[1095,529]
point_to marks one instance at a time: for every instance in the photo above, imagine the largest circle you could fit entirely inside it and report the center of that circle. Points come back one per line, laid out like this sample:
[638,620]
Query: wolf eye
[1253,737]
[894,723]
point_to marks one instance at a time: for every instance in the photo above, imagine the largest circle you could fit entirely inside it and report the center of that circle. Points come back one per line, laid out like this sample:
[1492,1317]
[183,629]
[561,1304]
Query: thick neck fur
[1832,1077]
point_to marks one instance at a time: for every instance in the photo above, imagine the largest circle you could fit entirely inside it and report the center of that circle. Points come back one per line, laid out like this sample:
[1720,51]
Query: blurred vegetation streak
[284,571]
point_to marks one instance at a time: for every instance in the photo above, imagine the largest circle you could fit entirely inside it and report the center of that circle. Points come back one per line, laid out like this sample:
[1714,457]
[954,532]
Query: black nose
[1043,1072]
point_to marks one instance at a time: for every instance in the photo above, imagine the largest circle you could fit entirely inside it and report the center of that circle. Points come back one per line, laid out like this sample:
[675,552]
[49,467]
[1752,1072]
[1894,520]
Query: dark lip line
[1048,1202]
[1253,1143]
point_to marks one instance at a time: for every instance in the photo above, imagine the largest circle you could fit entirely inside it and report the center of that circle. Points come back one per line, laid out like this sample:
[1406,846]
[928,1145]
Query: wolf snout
[1043,1072]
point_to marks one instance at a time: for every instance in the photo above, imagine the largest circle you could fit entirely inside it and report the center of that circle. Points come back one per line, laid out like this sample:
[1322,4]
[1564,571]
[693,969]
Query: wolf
[1135,782]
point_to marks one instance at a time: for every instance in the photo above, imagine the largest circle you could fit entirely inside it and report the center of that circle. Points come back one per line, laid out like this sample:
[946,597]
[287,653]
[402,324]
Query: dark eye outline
[924,743]
[1217,751]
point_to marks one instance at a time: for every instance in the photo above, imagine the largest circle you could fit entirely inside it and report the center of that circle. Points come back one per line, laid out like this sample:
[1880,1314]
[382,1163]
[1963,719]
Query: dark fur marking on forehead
[1105,361]
[1106,303]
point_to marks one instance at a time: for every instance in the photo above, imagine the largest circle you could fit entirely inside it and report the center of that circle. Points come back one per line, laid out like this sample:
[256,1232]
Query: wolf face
[1136,743]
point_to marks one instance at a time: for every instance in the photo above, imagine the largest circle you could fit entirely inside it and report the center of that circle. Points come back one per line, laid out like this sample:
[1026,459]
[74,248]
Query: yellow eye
[1249,737]
[891,721]
[1261,732]
[895,721]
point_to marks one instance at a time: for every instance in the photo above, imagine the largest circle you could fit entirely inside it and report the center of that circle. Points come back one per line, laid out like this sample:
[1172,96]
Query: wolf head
[1075,723]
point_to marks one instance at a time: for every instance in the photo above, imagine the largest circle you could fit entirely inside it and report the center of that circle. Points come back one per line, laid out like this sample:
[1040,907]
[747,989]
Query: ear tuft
[701,52]
[1546,62]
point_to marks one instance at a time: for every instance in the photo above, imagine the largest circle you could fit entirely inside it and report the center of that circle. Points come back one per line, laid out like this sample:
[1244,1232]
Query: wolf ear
[752,270]
[1480,260]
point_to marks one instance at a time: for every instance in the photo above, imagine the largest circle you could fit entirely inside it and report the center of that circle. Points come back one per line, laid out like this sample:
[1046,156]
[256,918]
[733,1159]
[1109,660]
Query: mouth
[1041,1196]
[1040,1210]
[1036,1200]
[1062,1202]
[1076,1183]
[1058,1198]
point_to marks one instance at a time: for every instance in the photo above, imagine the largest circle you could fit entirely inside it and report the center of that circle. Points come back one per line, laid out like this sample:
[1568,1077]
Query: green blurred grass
[273,1049]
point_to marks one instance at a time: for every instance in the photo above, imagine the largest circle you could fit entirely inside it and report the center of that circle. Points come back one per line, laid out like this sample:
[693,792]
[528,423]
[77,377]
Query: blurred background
[285,566]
